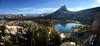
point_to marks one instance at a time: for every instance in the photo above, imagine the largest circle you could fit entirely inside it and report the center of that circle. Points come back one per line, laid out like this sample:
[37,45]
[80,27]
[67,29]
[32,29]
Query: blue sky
[42,6]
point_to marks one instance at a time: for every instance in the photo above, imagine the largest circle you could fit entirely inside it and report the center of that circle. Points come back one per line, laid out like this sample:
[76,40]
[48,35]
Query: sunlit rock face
[12,29]
[96,23]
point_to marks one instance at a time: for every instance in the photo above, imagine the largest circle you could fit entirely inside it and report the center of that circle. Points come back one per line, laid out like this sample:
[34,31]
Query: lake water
[65,27]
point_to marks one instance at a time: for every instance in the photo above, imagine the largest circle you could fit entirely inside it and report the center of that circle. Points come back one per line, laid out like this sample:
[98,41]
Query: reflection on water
[65,27]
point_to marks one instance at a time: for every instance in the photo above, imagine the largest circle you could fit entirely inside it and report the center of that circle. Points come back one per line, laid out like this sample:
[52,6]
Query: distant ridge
[85,16]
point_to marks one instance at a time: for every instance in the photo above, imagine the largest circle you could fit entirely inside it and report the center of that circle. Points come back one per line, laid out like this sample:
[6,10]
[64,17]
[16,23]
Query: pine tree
[55,39]
[40,37]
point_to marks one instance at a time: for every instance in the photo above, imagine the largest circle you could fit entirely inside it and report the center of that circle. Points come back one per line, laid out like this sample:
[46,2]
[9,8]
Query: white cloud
[34,10]
[96,3]
[76,8]
[24,8]
[47,9]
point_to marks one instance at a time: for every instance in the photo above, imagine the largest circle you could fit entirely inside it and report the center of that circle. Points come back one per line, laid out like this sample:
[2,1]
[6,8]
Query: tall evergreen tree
[55,39]
[40,37]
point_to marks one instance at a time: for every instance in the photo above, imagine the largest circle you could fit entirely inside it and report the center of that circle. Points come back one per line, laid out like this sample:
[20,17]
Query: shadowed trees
[55,39]
[96,30]
[40,37]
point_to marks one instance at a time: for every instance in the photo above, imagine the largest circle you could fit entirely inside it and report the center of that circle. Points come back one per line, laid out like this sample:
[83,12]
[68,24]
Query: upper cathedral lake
[65,27]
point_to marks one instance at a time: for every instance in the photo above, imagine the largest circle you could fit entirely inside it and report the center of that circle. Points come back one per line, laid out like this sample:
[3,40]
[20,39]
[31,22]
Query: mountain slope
[84,16]
[87,16]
